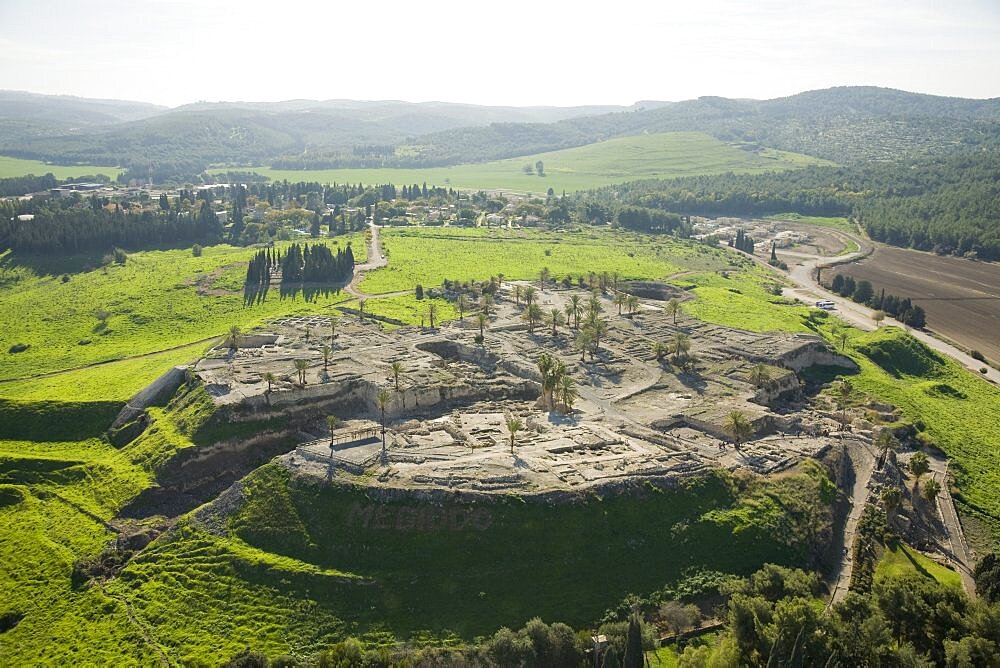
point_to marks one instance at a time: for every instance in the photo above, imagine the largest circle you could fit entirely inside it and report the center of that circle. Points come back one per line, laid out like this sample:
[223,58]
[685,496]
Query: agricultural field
[17,167]
[834,222]
[662,155]
[961,297]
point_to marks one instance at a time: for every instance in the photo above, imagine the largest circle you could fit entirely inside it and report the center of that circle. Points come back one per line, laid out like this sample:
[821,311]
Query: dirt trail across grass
[49,374]
[376,259]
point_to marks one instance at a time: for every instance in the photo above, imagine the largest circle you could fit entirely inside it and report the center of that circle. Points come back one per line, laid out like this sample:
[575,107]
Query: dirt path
[862,464]
[164,661]
[809,290]
[376,259]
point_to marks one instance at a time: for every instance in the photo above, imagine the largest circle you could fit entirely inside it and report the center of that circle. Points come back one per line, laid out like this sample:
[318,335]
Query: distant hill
[846,124]
[849,125]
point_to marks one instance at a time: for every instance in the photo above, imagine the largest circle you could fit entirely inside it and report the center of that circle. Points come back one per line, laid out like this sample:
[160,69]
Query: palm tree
[382,399]
[517,295]
[844,390]
[462,304]
[594,307]
[598,329]
[632,304]
[554,318]
[673,306]
[931,489]
[918,466]
[487,303]
[481,321]
[532,314]
[331,422]
[361,308]
[585,342]
[431,312]
[301,366]
[269,378]
[546,364]
[843,340]
[885,442]
[660,350]
[333,329]
[326,356]
[514,425]
[234,331]
[529,295]
[308,330]
[500,278]
[543,276]
[891,498]
[738,426]
[567,391]
[396,369]
[620,300]
[574,308]
[759,375]
[680,346]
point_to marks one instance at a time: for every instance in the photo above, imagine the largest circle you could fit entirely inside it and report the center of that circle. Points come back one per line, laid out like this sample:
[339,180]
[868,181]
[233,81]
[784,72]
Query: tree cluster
[900,308]
[316,264]
[742,242]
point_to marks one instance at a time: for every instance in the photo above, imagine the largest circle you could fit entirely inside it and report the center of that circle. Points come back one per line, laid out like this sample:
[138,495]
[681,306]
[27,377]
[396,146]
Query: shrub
[196,250]
[19,347]
[419,291]
[976,355]
[983,370]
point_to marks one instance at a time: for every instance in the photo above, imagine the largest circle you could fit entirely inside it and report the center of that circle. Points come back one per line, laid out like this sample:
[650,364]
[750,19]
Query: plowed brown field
[961,298]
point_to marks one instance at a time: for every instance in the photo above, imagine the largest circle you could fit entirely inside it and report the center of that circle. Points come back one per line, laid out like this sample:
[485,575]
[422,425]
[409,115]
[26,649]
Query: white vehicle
[826,305]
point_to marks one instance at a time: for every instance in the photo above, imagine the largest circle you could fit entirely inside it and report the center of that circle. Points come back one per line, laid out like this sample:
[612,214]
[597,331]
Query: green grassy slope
[18,167]
[661,155]
[157,300]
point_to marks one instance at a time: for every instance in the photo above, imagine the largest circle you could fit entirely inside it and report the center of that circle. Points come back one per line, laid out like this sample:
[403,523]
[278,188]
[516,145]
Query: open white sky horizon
[515,52]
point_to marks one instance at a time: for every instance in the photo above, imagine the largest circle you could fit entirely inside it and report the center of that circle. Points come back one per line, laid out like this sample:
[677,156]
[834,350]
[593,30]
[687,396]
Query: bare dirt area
[961,297]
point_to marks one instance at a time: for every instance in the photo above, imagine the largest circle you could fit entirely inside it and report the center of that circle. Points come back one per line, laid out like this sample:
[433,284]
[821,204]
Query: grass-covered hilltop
[386,384]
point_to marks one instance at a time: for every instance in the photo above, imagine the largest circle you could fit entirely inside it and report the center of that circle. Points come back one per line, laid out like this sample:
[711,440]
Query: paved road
[803,274]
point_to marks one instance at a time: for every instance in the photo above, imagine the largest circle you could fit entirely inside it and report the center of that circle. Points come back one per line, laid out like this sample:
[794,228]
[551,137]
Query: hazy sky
[503,52]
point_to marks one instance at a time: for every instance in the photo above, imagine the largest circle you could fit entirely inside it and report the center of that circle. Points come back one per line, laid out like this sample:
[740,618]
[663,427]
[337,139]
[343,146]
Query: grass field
[18,167]
[835,222]
[157,300]
[663,155]
[431,255]
[899,559]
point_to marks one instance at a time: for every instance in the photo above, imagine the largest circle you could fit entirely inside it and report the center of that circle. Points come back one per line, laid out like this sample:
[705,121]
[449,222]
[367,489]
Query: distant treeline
[100,229]
[948,205]
[15,186]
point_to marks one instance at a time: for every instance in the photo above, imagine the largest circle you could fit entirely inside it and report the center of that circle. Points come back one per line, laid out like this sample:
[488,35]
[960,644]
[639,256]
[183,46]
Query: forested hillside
[947,204]
[848,125]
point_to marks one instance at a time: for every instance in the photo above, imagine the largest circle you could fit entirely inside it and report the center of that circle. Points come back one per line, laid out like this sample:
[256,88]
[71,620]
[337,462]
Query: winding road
[804,274]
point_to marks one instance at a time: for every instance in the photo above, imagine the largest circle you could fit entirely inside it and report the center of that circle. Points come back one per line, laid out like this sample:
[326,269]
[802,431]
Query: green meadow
[648,156]
[18,167]
[157,300]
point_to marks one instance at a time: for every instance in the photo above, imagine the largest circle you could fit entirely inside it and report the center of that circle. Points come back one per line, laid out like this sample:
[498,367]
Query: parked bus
[826,305]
